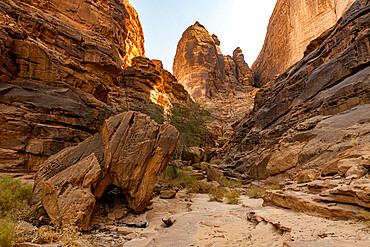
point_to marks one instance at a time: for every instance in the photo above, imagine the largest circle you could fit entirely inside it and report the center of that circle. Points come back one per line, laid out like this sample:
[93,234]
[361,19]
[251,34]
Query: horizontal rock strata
[340,198]
[65,67]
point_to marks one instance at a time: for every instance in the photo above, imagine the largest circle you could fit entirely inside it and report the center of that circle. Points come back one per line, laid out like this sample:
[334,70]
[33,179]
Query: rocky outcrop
[338,198]
[175,90]
[204,71]
[129,152]
[314,114]
[62,74]
[243,72]
[224,84]
[61,62]
[293,25]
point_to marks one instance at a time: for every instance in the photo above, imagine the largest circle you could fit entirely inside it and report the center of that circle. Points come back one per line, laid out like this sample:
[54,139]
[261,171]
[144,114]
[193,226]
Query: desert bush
[177,177]
[188,169]
[217,194]
[171,172]
[67,236]
[232,197]
[7,232]
[14,197]
[275,187]
[366,218]
[254,191]
[190,120]
[154,111]
[225,182]
[215,162]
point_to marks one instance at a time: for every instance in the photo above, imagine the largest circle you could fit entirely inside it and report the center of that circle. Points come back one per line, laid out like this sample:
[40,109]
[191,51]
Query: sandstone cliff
[223,83]
[316,114]
[292,26]
[61,74]
[204,71]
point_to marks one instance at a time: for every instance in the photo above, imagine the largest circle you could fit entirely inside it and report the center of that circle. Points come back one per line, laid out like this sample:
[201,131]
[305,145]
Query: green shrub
[366,218]
[177,177]
[154,111]
[188,169]
[275,187]
[225,182]
[215,162]
[172,172]
[7,232]
[254,191]
[190,120]
[232,197]
[14,196]
[217,194]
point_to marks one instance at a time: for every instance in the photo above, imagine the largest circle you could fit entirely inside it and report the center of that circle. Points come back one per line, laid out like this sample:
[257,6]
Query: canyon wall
[293,25]
[204,71]
[65,67]
[316,114]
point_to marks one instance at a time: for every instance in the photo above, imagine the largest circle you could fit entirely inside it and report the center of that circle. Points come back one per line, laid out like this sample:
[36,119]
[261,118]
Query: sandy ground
[200,222]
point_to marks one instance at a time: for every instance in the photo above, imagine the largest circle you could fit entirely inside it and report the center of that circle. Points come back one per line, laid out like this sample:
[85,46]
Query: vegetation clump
[255,192]
[232,197]
[190,120]
[7,232]
[225,182]
[215,162]
[14,198]
[176,177]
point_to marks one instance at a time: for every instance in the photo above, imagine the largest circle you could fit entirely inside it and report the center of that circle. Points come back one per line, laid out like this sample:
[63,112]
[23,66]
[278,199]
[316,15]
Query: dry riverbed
[199,222]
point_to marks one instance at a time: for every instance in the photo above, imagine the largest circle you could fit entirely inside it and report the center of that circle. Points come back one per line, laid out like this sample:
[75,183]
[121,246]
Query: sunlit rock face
[315,115]
[292,26]
[204,71]
[62,73]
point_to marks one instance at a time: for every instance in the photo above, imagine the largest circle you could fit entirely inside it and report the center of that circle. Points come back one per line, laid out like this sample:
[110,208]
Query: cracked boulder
[129,152]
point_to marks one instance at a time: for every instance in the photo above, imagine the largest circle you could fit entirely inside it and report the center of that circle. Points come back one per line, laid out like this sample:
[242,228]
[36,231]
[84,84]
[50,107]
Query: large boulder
[129,152]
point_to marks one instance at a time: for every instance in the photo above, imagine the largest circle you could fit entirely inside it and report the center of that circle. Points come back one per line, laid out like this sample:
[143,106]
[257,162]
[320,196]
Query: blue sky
[240,23]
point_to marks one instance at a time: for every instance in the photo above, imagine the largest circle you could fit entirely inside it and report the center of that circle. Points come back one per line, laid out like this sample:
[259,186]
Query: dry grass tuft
[255,192]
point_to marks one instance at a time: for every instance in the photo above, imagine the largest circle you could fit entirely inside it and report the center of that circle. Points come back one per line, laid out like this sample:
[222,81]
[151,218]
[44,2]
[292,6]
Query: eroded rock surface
[60,64]
[66,66]
[199,222]
[293,25]
[332,198]
[315,114]
[129,152]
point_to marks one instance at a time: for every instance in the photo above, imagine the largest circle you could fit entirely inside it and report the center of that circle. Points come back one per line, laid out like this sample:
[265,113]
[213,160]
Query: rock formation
[315,115]
[61,74]
[129,152]
[340,198]
[292,26]
[204,71]
[224,84]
